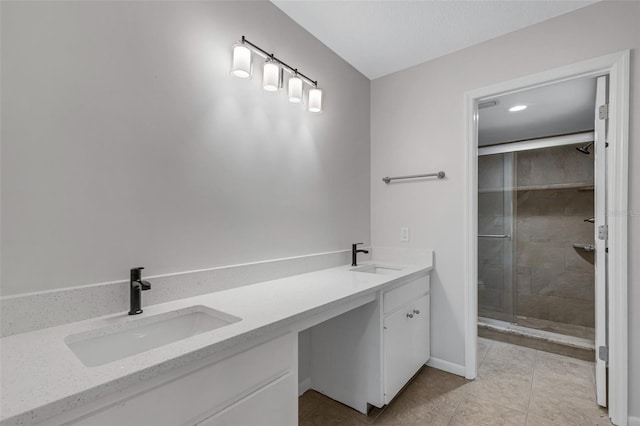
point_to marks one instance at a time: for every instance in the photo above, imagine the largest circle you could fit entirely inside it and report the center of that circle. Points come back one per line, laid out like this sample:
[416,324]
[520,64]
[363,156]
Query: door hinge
[603,353]
[603,232]
[603,112]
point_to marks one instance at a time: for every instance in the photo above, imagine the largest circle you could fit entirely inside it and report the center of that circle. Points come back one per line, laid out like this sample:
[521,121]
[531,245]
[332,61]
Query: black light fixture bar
[289,68]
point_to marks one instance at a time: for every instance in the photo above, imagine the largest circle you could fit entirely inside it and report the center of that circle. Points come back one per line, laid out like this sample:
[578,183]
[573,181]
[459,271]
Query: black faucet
[136,286]
[354,253]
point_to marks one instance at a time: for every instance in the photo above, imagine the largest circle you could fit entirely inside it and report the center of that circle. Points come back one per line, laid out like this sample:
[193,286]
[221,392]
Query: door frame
[616,66]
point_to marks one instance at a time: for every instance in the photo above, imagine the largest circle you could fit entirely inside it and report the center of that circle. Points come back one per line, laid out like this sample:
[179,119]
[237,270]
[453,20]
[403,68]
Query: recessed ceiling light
[517,108]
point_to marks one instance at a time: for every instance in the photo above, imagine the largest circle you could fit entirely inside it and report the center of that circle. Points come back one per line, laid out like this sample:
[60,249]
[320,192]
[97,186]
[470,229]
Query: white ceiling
[556,109]
[382,37]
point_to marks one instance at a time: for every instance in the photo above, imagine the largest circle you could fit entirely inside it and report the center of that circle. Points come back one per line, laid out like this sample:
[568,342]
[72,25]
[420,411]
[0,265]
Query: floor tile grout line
[533,375]
[485,399]
[453,413]
[485,352]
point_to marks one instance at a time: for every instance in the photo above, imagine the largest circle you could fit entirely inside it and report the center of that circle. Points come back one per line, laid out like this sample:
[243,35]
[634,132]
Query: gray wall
[125,142]
[555,281]
[417,126]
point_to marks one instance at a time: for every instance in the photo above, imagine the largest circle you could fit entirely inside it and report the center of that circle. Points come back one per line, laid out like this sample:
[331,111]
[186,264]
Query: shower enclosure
[536,236]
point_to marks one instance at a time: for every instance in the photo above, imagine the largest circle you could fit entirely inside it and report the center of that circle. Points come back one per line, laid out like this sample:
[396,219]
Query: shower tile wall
[554,281]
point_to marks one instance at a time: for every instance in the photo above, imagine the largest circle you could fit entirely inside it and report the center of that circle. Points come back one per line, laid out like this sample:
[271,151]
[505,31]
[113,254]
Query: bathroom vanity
[365,356]
[229,357]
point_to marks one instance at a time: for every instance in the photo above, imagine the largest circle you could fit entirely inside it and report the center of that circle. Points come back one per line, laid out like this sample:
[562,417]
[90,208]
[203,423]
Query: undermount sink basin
[104,345]
[377,269]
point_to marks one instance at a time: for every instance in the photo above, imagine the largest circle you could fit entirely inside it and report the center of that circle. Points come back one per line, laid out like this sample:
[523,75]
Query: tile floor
[515,386]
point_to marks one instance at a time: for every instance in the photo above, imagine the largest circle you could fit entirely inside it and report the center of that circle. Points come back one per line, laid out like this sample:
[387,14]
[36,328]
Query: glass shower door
[496,293]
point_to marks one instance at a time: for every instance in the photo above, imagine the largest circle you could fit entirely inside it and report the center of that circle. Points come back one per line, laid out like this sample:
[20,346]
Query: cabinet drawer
[206,390]
[393,299]
[273,405]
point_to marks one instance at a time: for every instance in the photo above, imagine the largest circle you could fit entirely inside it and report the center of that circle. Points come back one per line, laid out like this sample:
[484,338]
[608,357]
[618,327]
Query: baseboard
[633,421]
[304,386]
[447,366]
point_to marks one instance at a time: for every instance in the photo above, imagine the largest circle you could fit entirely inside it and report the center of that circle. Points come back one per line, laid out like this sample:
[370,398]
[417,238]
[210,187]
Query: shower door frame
[616,66]
[510,204]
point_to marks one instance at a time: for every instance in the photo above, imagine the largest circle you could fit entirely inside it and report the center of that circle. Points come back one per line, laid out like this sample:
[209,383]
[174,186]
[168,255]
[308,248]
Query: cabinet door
[273,405]
[399,357]
[406,345]
[420,347]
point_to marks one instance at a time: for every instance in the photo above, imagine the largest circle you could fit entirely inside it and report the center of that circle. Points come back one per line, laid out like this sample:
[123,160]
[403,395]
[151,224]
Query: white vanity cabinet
[257,386]
[406,344]
[364,357]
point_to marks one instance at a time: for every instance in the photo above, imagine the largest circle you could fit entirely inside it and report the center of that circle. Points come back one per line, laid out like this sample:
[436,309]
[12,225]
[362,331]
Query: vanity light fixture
[272,76]
[517,108]
[295,89]
[315,100]
[241,63]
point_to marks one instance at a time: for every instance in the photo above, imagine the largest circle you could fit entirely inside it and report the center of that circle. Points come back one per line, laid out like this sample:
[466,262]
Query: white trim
[634,421]
[617,66]
[470,235]
[447,366]
[536,143]
[618,217]
[304,386]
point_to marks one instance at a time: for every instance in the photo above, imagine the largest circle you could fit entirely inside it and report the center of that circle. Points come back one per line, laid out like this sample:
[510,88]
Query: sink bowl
[377,269]
[104,345]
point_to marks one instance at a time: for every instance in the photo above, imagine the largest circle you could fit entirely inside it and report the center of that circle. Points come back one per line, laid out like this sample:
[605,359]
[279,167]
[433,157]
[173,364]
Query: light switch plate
[404,234]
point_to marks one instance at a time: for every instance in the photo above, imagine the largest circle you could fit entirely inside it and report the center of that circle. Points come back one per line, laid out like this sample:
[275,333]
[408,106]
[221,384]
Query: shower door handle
[494,236]
[585,247]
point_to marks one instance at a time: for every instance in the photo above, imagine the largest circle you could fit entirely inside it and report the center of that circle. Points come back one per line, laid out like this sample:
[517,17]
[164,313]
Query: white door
[601,240]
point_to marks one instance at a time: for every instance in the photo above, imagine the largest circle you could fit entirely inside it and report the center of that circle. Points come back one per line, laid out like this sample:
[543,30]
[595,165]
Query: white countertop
[40,377]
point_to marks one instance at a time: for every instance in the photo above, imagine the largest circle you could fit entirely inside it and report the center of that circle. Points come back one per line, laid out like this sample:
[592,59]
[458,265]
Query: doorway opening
[514,252]
[536,214]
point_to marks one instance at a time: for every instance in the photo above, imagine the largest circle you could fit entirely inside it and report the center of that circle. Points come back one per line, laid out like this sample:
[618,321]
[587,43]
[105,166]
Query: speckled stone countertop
[40,377]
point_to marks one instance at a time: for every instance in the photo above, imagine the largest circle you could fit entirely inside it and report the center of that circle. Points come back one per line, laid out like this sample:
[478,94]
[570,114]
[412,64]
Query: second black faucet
[354,253]
[136,286]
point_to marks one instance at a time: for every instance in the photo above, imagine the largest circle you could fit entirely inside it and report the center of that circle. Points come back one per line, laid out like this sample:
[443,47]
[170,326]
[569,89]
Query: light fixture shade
[241,63]
[271,77]
[315,100]
[295,90]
